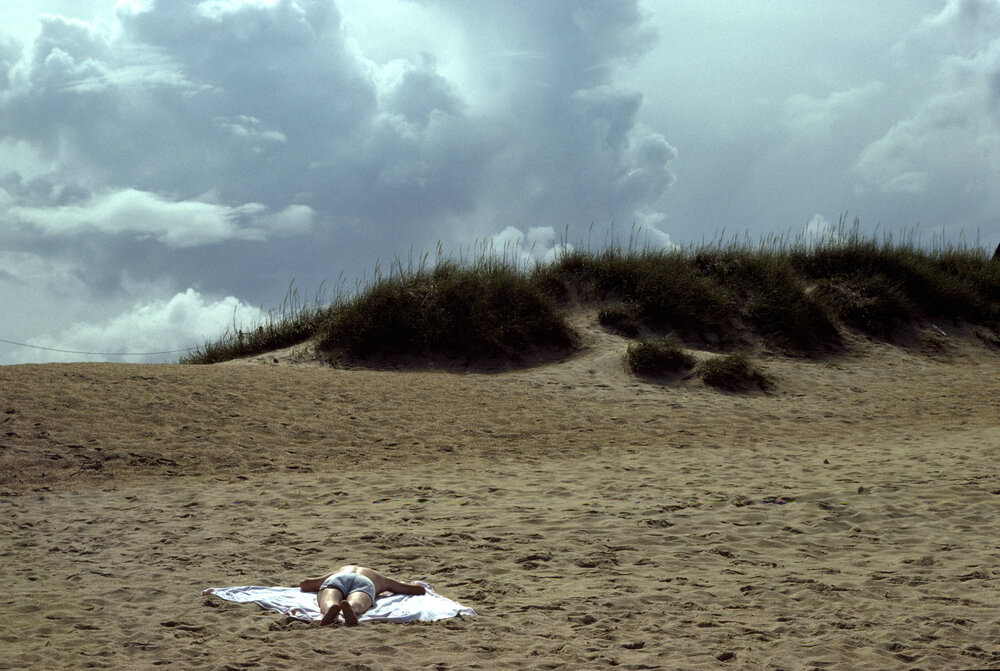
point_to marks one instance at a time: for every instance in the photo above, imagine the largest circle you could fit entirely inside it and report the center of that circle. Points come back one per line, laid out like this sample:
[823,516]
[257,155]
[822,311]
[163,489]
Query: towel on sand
[293,602]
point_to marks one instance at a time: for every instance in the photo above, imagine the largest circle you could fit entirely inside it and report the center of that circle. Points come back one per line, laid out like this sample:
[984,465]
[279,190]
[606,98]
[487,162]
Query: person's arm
[313,584]
[403,587]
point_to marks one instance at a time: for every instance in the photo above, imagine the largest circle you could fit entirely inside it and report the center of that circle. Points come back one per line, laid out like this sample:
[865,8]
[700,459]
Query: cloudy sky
[168,167]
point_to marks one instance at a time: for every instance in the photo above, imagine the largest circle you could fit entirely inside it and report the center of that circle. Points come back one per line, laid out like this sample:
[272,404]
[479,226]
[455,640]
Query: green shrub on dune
[951,284]
[876,304]
[733,372]
[484,312]
[671,296]
[793,297]
[773,299]
[660,357]
[661,290]
[621,319]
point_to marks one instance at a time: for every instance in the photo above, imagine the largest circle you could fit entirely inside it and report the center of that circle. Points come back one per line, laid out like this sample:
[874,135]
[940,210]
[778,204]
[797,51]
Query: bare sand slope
[847,520]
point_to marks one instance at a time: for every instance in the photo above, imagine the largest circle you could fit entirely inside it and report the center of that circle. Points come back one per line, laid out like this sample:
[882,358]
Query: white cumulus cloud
[176,224]
[186,320]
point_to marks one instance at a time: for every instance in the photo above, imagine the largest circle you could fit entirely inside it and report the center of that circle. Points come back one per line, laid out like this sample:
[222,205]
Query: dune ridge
[593,519]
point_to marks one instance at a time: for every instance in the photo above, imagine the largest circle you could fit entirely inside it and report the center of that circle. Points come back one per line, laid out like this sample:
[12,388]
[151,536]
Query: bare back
[382,583]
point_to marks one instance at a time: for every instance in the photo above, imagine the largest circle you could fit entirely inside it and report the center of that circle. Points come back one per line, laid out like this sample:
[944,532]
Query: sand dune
[846,520]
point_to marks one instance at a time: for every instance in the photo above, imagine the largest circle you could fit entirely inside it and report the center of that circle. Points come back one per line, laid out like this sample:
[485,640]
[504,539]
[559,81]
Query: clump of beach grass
[658,289]
[734,372]
[875,285]
[877,304]
[294,322]
[771,298]
[619,319]
[485,310]
[658,357]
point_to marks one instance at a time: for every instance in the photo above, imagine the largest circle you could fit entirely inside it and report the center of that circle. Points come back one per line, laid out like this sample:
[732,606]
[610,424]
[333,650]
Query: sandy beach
[847,519]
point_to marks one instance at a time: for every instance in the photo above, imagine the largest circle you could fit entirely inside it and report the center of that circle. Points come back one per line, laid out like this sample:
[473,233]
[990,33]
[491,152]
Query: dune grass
[621,320]
[735,373]
[658,357]
[294,322]
[473,312]
[792,297]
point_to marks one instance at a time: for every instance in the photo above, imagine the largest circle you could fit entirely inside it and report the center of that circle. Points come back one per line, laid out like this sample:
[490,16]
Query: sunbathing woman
[351,590]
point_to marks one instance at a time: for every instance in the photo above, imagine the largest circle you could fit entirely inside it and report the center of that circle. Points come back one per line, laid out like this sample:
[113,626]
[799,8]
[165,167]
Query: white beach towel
[293,602]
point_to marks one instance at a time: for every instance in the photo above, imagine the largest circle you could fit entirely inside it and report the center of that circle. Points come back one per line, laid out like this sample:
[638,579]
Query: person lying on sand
[351,590]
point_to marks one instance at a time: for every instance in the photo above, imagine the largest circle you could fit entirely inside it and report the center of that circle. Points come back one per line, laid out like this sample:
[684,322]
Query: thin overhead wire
[72,351]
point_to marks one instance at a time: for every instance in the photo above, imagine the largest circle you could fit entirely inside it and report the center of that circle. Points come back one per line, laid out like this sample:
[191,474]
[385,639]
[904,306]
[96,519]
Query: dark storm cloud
[573,153]
[266,103]
[231,146]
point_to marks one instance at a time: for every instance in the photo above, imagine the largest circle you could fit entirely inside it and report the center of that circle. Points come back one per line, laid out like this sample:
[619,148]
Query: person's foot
[349,617]
[330,616]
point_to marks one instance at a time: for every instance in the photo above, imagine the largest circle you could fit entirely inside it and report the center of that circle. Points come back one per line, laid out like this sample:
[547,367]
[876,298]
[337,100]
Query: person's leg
[354,606]
[329,604]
